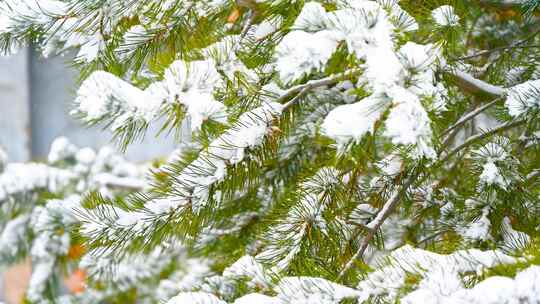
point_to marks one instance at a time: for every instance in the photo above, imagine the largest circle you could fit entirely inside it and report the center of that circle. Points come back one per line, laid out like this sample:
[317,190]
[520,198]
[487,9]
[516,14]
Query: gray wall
[14,106]
[35,100]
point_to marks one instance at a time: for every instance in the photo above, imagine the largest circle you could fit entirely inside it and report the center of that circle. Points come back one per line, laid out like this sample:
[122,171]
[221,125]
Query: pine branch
[206,163]
[394,200]
[470,84]
[246,186]
[115,182]
[249,22]
[503,3]
[302,89]
[453,129]
[473,139]
[515,45]
[532,176]
[376,223]
[498,49]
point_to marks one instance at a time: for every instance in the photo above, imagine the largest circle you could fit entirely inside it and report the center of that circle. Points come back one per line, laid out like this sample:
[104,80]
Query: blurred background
[35,100]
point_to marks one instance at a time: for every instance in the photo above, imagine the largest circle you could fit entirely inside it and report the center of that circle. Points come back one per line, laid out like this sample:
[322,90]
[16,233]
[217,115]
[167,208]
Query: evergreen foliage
[340,151]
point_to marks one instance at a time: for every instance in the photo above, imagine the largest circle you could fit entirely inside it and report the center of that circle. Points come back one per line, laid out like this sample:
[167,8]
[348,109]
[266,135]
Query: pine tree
[340,151]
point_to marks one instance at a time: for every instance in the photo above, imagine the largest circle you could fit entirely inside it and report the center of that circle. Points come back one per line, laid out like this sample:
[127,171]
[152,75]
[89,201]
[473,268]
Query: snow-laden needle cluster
[341,151]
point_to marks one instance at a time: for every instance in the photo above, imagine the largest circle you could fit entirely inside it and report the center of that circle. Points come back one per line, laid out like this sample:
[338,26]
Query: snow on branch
[475,138]
[494,289]
[440,274]
[397,80]
[192,185]
[469,83]
[228,149]
[445,16]
[195,298]
[51,224]
[408,122]
[44,231]
[257,298]
[299,53]
[288,289]
[365,26]
[314,290]
[523,98]
[49,17]
[104,97]
[248,267]
[339,122]
[58,26]
[18,179]
[238,75]
[286,237]
[125,272]
[14,238]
